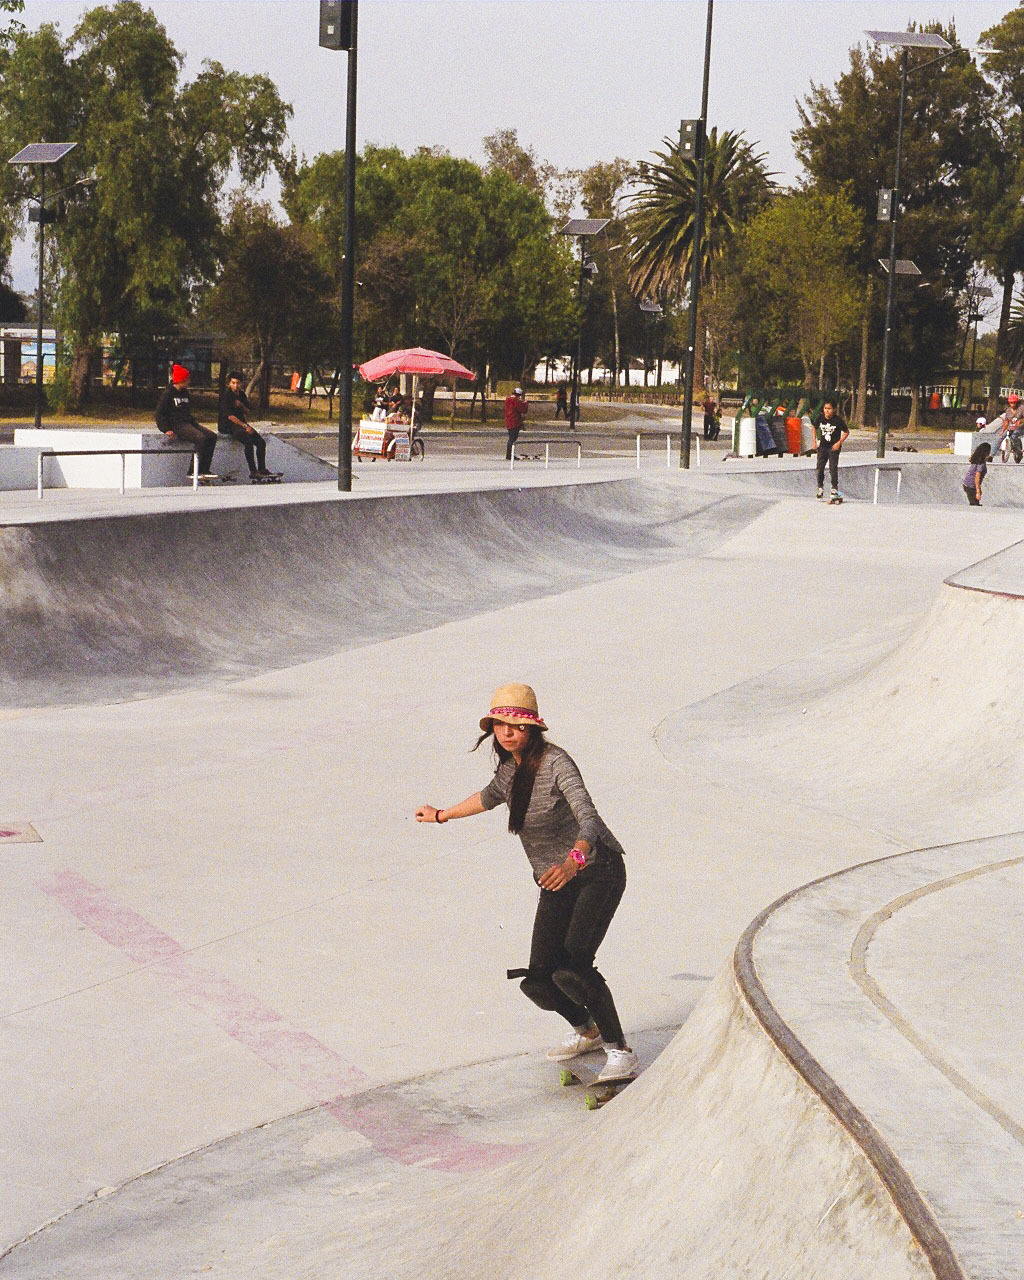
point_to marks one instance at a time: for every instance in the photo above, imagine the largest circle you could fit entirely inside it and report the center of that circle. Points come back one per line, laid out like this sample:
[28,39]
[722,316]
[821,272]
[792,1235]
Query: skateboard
[273,478]
[598,1092]
[836,501]
[218,479]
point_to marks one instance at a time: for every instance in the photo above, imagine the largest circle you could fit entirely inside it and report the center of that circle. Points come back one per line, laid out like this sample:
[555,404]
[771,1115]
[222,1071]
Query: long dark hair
[525,774]
[981,454]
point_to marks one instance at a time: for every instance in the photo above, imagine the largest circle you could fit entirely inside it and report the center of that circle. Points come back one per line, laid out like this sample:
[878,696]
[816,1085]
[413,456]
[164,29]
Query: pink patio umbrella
[417,361]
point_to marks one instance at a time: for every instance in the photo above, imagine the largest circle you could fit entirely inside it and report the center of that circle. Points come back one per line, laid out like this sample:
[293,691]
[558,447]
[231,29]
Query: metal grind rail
[547,443]
[122,453]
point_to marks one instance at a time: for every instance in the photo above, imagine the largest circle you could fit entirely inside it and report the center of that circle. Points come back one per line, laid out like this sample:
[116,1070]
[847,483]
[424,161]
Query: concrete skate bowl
[915,736]
[134,606]
[937,481]
[798,1125]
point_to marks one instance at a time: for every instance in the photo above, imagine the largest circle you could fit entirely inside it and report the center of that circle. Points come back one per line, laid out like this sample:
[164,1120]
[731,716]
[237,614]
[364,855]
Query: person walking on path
[833,432]
[976,472]
[577,864]
[515,412]
[174,418]
[561,402]
[710,420]
[233,421]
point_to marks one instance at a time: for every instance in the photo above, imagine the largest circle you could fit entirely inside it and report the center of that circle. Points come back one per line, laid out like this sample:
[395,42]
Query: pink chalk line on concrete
[395,1129]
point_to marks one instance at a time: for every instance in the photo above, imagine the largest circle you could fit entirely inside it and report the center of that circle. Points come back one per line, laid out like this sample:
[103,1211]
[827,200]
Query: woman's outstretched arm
[464,809]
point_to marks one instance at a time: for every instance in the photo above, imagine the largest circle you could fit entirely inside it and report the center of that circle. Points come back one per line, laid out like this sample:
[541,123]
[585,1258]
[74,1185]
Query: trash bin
[747,444]
[765,439]
[808,442]
[793,437]
[935,400]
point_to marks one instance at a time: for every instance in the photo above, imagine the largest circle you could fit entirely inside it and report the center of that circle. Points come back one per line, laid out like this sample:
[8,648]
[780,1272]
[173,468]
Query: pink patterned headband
[520,713]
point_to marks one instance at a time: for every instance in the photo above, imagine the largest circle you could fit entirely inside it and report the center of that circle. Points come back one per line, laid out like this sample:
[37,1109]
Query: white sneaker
[621,1065]
[573,1046]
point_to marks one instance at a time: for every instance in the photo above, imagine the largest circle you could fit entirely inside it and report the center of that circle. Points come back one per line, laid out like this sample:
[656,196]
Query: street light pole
[339,29]
[904,41]
[698,233]
[883,410]
[39,303]
[574,396]
[581,229]
[348,268]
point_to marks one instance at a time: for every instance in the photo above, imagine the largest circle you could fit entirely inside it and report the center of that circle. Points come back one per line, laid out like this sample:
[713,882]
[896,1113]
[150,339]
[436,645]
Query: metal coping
[584,226]
[910,39]
[911,1206]
[43,153]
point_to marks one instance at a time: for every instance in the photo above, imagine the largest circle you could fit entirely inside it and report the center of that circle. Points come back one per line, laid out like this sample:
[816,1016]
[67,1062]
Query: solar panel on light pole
[40,155]
[902,40]
[581,228]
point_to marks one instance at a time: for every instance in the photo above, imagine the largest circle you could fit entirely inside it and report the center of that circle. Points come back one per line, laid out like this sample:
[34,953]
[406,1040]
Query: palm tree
[661,220]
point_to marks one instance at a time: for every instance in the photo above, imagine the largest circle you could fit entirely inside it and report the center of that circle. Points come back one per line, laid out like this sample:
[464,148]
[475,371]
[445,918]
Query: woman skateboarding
[577,863]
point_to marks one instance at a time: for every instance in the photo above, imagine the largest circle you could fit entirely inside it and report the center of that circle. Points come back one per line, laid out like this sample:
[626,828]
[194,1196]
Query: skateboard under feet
[598,1093]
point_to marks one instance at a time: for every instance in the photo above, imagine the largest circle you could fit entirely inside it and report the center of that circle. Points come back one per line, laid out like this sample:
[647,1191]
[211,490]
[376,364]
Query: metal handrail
[547,443]
[100,453]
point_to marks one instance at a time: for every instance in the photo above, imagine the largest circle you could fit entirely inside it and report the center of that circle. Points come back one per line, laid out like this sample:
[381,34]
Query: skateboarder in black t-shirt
[833,432]
[233,420]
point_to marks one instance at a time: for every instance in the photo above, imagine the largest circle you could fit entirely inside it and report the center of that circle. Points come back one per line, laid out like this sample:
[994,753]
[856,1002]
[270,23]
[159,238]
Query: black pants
[561,410]
[513,436]
[972,495]
[569,927]
[827,453]
[203,438]
[254,445]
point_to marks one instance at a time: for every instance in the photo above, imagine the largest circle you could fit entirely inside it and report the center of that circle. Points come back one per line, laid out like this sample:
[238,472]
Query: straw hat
[513,704]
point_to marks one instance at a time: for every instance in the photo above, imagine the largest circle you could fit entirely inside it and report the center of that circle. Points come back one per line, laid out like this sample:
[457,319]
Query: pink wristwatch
[578,856]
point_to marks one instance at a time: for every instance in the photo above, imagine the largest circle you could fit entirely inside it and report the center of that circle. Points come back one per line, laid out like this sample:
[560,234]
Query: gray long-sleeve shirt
[560,811]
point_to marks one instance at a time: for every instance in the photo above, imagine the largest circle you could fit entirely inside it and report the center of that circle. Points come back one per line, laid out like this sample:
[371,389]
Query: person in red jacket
[515,412]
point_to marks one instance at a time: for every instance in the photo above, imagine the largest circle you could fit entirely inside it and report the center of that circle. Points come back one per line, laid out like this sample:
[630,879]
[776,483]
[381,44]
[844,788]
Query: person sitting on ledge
[175,420]
[233,421]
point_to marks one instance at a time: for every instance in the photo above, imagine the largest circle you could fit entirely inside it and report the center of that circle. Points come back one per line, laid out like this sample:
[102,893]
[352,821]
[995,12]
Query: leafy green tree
[272,292]
[136,254]
[662,215]
[803,249]
[448,255]
[997,181]
[846,142]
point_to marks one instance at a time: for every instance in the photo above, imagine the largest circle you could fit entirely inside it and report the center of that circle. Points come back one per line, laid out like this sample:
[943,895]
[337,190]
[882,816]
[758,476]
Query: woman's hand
[427,813]
[556,878]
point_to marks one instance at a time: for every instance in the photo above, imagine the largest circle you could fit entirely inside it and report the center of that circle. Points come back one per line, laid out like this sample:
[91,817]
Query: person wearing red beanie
[174,418]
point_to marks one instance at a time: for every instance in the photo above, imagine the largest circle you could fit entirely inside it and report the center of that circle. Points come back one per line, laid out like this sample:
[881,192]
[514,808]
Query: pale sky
[580,80]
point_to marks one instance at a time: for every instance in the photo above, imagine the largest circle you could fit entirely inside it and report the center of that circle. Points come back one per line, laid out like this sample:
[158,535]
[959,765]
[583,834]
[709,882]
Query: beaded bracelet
[438,818]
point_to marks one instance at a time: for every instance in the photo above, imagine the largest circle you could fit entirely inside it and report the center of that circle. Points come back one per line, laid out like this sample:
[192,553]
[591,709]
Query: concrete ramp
[125,607]
[917,735]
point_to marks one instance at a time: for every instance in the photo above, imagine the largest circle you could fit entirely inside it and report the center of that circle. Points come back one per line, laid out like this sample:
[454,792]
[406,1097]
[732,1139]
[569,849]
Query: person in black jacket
[233,420]
[174,418]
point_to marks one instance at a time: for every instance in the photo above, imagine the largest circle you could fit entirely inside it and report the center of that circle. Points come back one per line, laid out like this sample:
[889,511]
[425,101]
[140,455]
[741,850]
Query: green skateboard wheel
[566,1077]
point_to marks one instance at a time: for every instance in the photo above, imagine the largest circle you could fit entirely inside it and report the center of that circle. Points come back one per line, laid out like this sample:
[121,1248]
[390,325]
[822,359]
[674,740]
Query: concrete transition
[124,607]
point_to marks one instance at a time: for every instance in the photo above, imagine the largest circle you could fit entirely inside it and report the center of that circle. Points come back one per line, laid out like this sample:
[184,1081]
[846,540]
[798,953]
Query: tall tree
[662,215]
[997,180]
[136,253]
[271,287]
[803,248]
[847,141]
